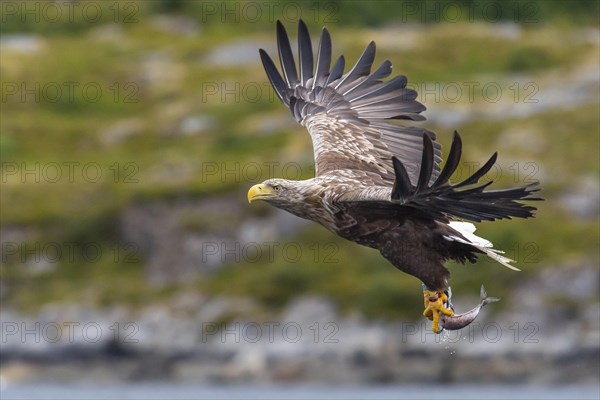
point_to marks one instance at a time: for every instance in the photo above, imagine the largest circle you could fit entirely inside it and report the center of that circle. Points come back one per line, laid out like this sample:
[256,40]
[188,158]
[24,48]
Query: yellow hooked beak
[259,192]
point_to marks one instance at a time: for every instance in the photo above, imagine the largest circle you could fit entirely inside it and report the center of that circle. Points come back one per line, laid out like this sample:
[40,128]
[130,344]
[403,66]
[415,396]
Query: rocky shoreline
[409,366]
[309,342]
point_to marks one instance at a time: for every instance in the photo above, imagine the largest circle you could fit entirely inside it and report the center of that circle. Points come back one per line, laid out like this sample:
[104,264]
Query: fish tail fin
[485,299]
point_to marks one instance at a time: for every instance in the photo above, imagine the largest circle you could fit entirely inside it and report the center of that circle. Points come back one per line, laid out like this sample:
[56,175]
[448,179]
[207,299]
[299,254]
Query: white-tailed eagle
[378,182]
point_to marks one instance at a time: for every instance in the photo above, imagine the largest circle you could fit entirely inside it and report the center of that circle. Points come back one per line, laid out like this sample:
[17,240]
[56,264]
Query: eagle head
[275,191]
[301,198]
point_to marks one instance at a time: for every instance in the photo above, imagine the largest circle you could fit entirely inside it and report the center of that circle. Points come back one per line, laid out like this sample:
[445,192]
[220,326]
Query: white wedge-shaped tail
[467,229]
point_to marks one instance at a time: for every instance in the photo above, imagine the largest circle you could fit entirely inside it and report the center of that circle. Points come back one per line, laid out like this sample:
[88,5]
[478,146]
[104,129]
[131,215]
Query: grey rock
[121,130]
[13,238]
[268,123]
[583,199]
[309,310]
[236,54]
[176,24]
[578,283]
[195,124]
[160,73]
[184,238]
[21,43]
[108,33]
[580,86]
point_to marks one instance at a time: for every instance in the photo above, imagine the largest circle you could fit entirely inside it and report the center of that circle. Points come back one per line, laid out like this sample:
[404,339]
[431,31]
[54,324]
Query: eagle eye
[277,188]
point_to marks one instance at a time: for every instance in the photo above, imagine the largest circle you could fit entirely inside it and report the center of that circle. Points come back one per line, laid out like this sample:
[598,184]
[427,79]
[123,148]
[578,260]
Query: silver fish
[459,321]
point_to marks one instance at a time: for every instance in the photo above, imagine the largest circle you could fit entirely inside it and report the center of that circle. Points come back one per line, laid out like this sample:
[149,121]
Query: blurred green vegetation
[155,161]
[19,16]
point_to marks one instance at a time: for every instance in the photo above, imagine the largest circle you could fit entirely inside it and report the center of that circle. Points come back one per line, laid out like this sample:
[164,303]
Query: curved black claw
[449,301]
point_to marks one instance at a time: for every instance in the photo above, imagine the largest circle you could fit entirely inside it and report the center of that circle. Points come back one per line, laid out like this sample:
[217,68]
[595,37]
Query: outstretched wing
[353,118]
[442,201]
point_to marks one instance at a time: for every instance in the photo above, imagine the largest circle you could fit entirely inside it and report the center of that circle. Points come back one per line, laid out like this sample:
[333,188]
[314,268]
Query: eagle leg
[436,302]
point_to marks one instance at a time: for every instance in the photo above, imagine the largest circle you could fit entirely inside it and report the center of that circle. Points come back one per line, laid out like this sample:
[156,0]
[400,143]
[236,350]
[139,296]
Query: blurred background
[132,264]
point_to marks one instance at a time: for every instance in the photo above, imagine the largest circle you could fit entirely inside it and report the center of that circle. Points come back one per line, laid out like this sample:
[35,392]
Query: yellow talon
[434,305]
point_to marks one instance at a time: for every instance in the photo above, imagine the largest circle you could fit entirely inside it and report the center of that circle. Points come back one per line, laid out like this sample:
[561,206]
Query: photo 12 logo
[252,172]
[468,11]
[253,12]
[67,332]
[68,252]
[473,91]
[489,332]
[69,92]
[68,172]
[253,332]
[268,252]
[54,12]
